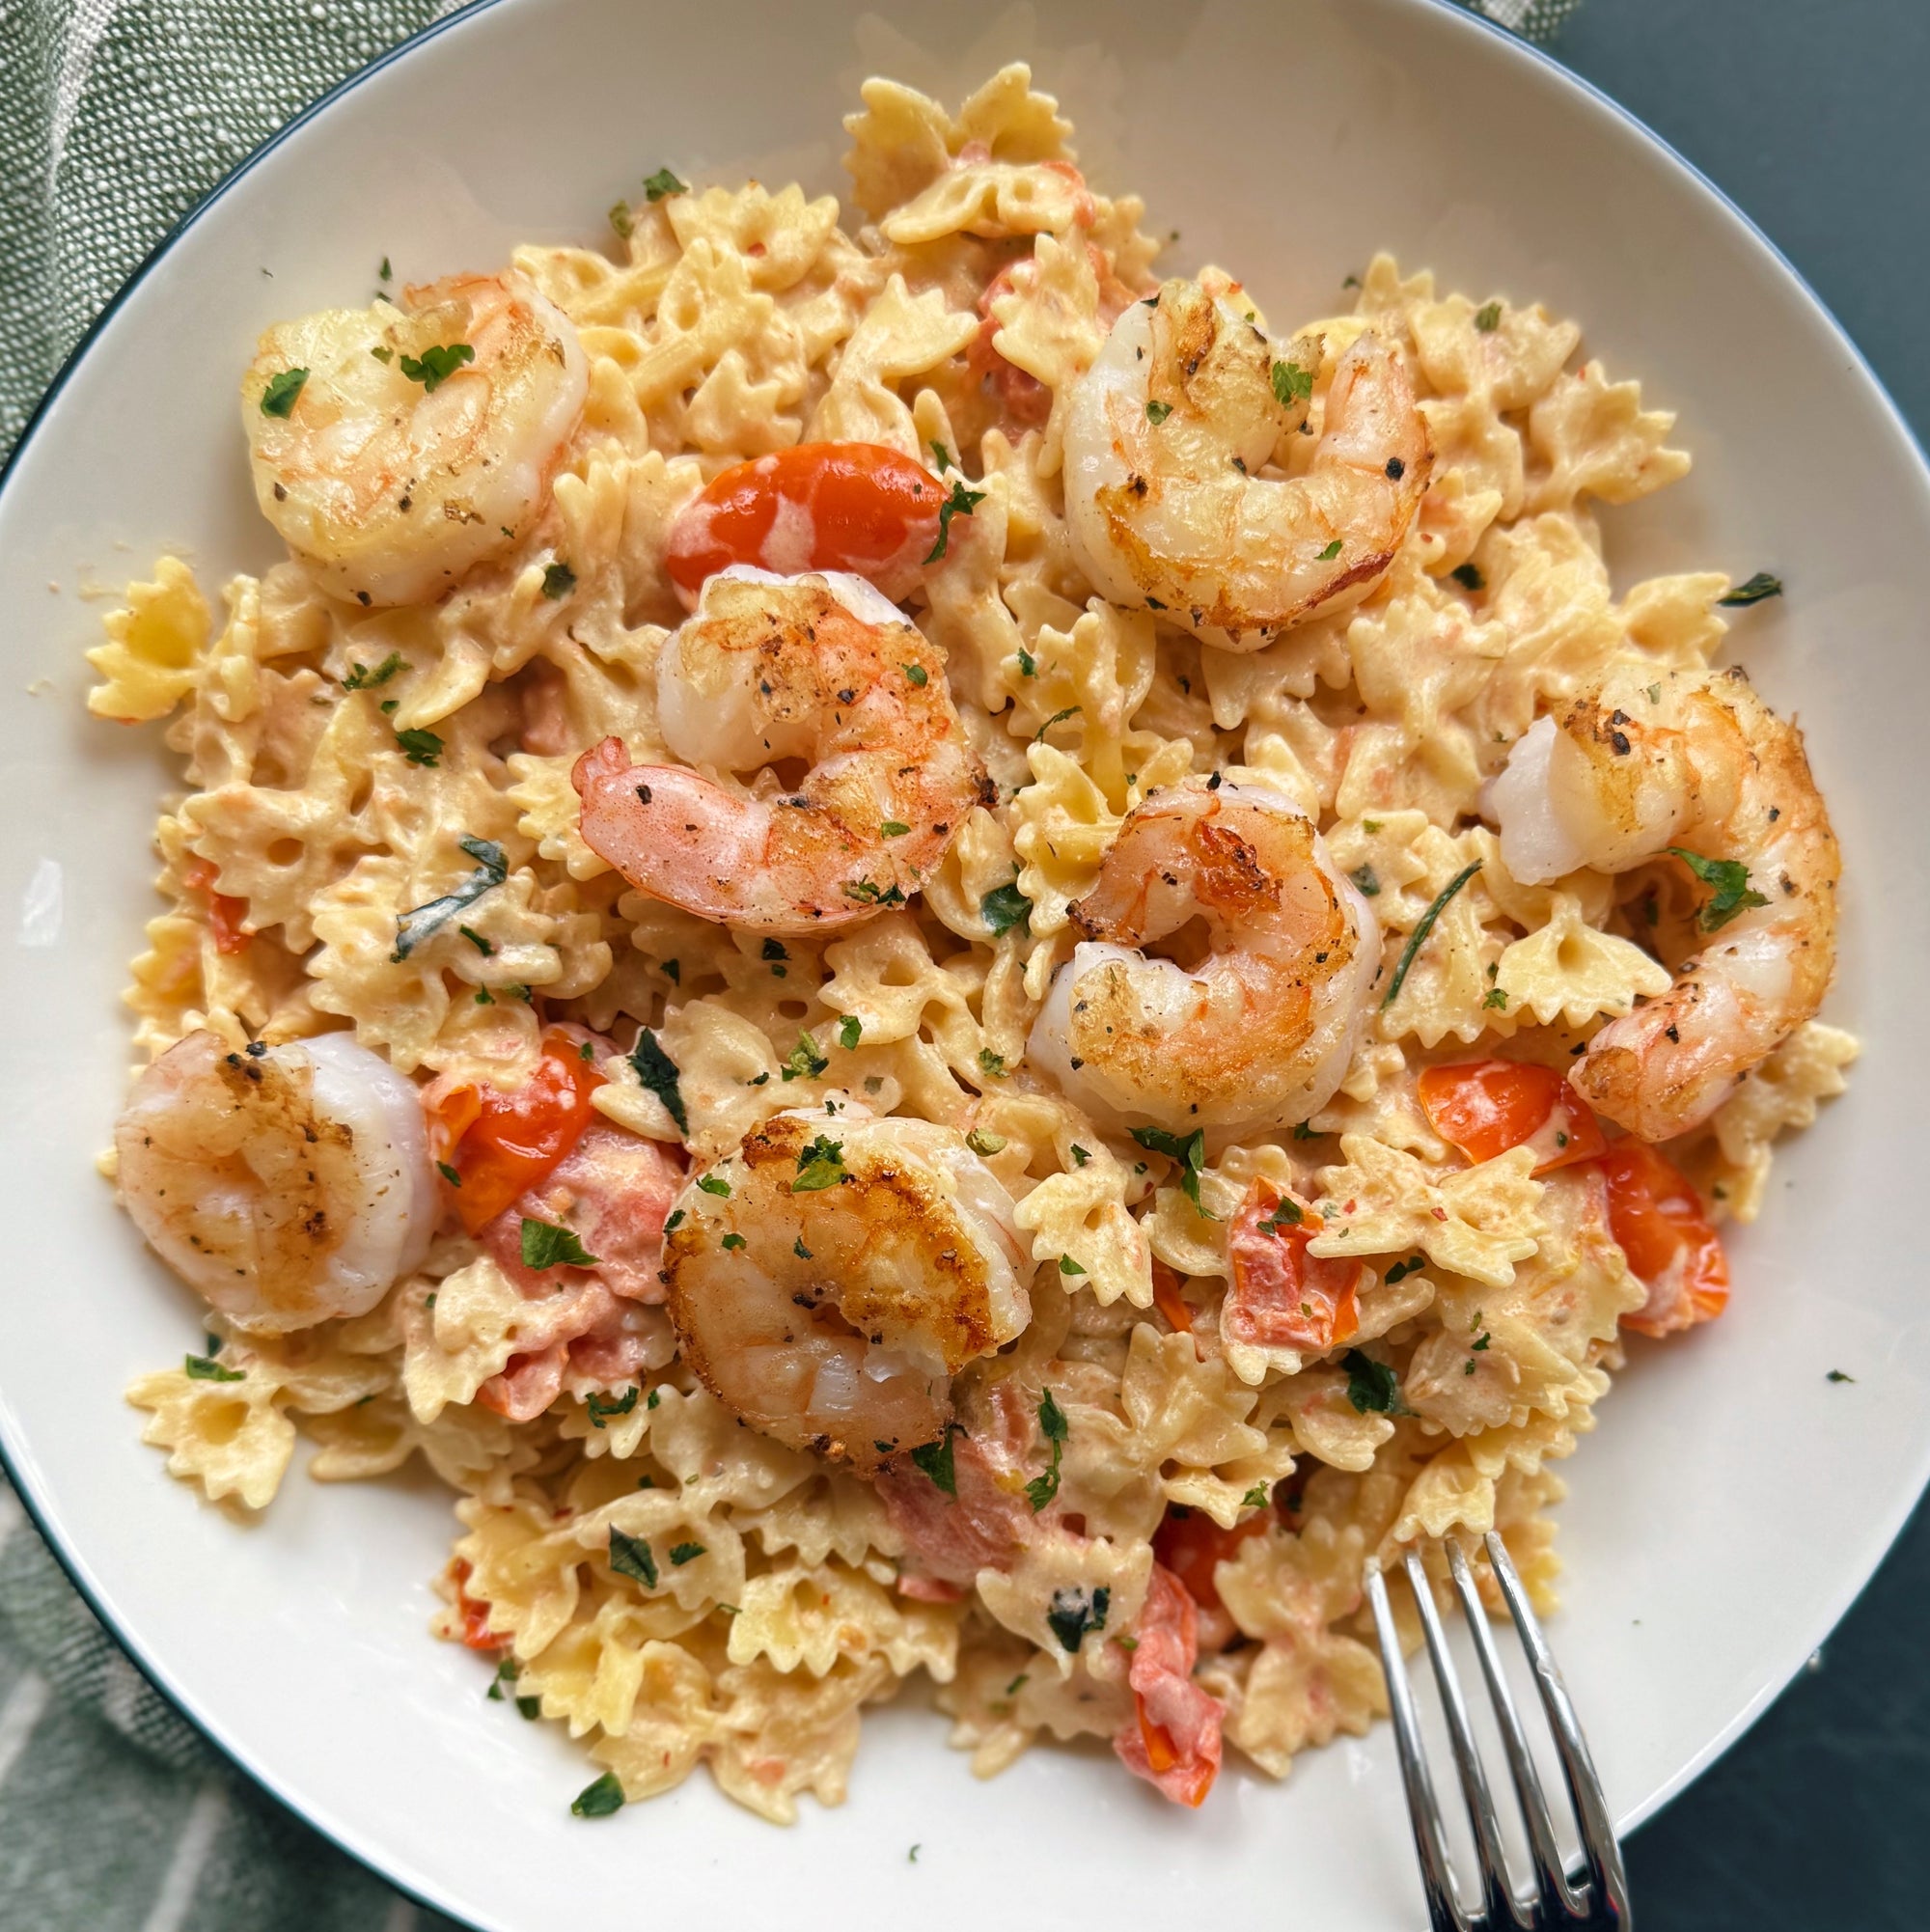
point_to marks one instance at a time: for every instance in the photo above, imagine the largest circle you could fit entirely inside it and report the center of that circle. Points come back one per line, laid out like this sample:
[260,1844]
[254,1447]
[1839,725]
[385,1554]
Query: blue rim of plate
[1473,23]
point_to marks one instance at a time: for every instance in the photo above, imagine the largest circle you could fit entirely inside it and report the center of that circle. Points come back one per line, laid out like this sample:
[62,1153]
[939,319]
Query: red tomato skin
[855,507]
[224,913]
[1484,1107]
[1658,1221]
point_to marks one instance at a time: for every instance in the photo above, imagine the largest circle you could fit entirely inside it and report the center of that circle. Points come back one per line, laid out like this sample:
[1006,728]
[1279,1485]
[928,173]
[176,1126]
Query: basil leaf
[414,926]
[1419,935]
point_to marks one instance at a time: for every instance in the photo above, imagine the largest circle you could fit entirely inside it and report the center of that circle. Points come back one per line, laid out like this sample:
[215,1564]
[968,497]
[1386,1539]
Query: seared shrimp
[1698,766]
[1165,447]
[829,1277]
[818,668]
[1261,1031]
[395,449]
[285,1185]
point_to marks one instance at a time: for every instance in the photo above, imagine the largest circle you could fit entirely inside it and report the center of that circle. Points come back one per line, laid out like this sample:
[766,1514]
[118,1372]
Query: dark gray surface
[1810,114]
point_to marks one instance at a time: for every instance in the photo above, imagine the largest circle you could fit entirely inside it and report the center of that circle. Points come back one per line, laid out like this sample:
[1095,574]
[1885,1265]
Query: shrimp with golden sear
[1257,1032]
[285,1184]
[830,1277]
[1693,765]
[396,448]
[1173,493]
[817,669]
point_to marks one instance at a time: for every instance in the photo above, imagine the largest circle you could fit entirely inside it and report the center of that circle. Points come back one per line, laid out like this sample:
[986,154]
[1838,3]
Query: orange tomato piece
[1173,1741]
[1484,1107]
[1282,1296]
[1193,1546]
[1658,1221]
[1168,1300]
[509,1141]
[475,1614]
[225,914]
[855,506]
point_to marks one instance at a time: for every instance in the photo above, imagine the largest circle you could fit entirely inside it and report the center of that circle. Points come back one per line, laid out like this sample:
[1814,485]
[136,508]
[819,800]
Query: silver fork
[1600,1903]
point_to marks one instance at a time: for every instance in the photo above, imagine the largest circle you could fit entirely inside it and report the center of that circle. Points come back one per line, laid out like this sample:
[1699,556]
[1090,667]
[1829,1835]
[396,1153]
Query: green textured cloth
[115,117]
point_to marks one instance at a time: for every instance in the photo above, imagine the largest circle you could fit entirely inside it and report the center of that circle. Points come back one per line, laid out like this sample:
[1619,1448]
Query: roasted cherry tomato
[224,913]
[1282,1296]
[1168,1300]
[1484,1107]
[1657,1217]
[1192,1546]
[855,507]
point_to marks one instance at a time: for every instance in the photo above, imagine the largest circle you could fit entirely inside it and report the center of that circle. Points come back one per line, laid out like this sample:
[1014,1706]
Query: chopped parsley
[1028,662]
[1762,585]
[802,1252]
[675,1222]
[619,219]
[962,502]
[279,398]
[917,674]
[630,1557]
[1834,1374]
[1080,1155]
[804,1061]
[685,1553]
[732,1241]
[1158,412]
[1400,1270]
[1256,1498]
[663,183]
[867,891]
[935,1459]
[1291,383]
[601,1799]
[361,679]
[412,928]
[820,1165]
[1304,1131]
[1005,908]
[559,580]
[1286,1214]
[657,1071]
[477,940]
[1372,1387]
[1332,551]
[1468,577]
[529,1707]
[1729,880]
[1419,936]
[1367,880]
[942,457]
[984,1143]
[548,1246]
[1497,998]
[1075,1611]
[1057,718]
[599,1411]
[850,1031]
[714,1183]
[437,364]
[1190,1153]
[506,1673]
[991,1064]
[1053,1425]
[383,353]
[1488,318]
[449,1173]
[1068,1266]
[773,949]
[419,747]
[204,1368]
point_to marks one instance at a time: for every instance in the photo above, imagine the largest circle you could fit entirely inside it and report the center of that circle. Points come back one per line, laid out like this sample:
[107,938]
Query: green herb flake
[1497,997]
[1400,1270]
[1256,1498]
[714,1183]
[1372,1387]
[506,1673]
[991,1064]
[1158,412]
[1419,936]
[529,1707]
[804,1061]
[962,502]
[630,1557]
[279,398]
[919,674]
[1332,551]
[559,580]
[733,1242]
[619,219]
[850,1031]
[1367,880]
[1488,318]
[203,1369]
[655,1397]
[1762,585]
[477,940]
[893,828]
[821,1164]
[1053,1425]
[802,1252]
[1286,1214]
[1835,1375]
[600,1410]
[547,1246]
[1076,1611]
[1028,662]
[1080,1155]
[663,183]
[1190,1153]
[361,679]
[1005,908]
[412,928]
[1728,880]
[1017,1684]
[449,1173]
[675,1222]
[1057,718]
[1068,1266]
[942,457]
[983,1144]
[419,747]
[1304,1131]
[935,1459]
[1291,383]
[601,1799]
[436,365]
[685,1553]
[658,1072]
[1468,577]
[383,353]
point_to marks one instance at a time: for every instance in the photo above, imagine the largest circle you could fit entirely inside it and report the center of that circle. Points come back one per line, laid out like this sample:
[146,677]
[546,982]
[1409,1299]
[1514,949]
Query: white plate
[1733,1501]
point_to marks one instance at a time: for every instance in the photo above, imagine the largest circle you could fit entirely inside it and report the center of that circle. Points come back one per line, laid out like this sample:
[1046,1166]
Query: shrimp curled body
[830,1277]
[1167,444]
[1261,1031]
[286,1186]
[391,477]
[1697,762]
[817,667]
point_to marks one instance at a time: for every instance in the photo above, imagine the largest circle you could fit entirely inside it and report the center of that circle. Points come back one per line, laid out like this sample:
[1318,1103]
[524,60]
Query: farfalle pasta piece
[1781,1093]
[228,1436]
[155,641]
[1594,437]
[808,1616]
[1568,970]
[900,336]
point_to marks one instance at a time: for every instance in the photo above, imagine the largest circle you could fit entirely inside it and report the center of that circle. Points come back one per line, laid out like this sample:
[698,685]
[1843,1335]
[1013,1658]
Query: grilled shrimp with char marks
[285,1185]
[1696,764]
[1261,1029]
[419,440]
[1165,442]
[818,668]
[829,1277]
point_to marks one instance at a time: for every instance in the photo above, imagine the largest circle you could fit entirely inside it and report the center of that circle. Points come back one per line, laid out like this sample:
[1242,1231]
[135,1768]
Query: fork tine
[1497,1895]
[1549,1875]
[1443,1908]
[1584,1788]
